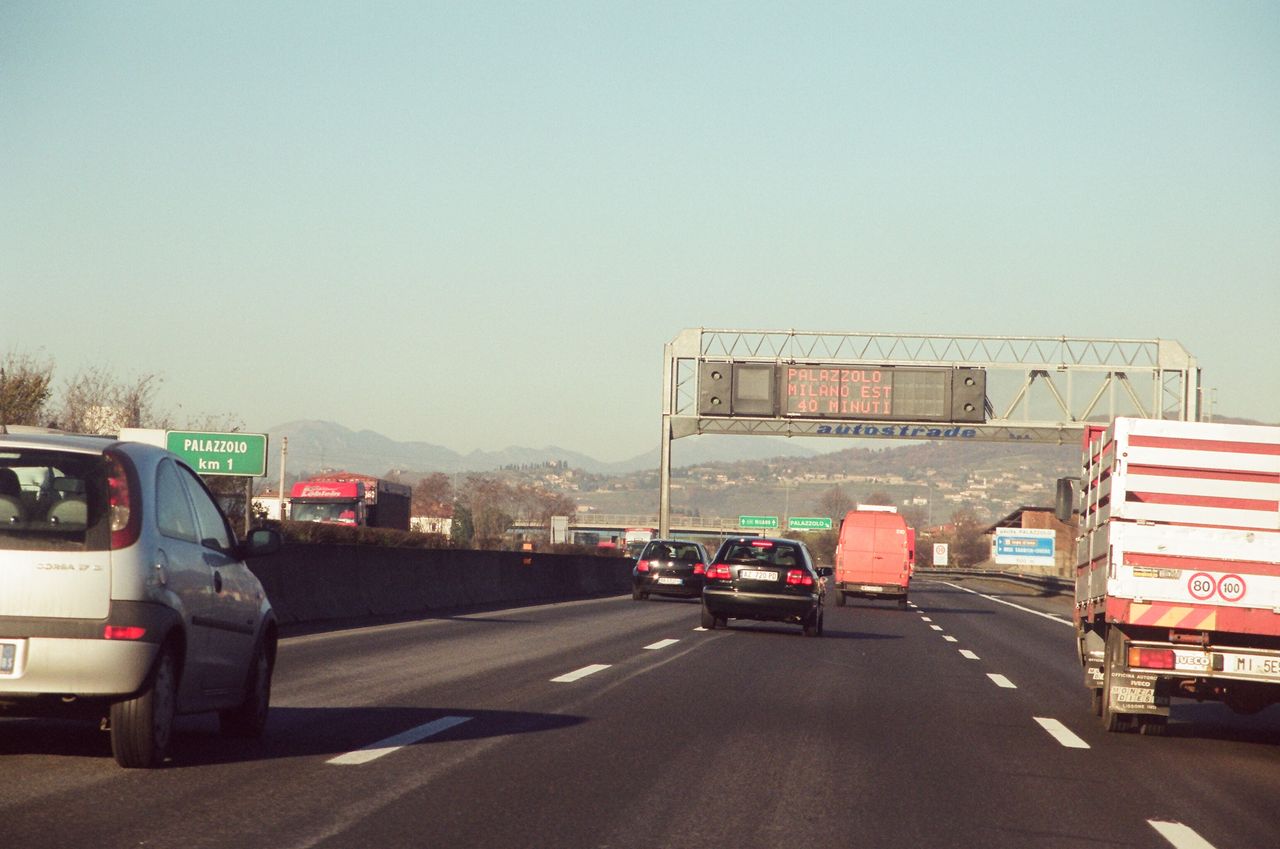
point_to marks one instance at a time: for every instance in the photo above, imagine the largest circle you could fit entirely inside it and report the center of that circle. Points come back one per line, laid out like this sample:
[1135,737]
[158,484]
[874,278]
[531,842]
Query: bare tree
[433,495]
[24,389]
[969,545]
[95,402]
[834,503]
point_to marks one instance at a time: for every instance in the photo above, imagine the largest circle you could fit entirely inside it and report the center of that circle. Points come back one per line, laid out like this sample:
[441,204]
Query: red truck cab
[335,502]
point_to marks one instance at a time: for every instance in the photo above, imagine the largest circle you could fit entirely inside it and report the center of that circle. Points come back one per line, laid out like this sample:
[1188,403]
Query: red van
[874,555]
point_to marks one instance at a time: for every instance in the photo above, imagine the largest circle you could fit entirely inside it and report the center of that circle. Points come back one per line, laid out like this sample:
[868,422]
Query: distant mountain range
[316,445]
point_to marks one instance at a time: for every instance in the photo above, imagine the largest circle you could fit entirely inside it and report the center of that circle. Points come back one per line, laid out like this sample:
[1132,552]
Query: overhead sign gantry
[914,386]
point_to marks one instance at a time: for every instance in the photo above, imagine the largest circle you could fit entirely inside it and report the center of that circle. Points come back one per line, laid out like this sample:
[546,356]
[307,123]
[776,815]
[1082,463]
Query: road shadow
[789,630]
[292,732]
[1214,721]
[465,614]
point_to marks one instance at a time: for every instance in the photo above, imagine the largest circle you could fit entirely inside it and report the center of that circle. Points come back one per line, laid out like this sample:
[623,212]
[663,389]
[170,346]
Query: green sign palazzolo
[221,453]
[757,521]
[809,523]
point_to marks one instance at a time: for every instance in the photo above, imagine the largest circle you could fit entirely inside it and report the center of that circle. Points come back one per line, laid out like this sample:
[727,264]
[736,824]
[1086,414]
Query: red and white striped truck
[1178,568]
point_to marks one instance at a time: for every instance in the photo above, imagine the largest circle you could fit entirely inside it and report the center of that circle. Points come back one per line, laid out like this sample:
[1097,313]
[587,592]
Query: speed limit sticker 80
[1204,586]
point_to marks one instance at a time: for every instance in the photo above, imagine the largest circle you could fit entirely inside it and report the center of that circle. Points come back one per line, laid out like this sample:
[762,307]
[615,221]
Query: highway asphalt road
[613,724]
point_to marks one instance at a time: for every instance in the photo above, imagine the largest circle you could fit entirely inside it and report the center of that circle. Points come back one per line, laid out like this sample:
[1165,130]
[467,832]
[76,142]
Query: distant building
[432,524]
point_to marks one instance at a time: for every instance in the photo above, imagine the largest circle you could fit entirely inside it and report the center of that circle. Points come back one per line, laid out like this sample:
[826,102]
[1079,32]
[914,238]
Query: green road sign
[758,522]
[809,523]
[221,453]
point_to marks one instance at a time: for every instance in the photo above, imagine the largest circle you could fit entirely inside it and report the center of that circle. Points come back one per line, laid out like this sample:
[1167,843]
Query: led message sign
[844,391]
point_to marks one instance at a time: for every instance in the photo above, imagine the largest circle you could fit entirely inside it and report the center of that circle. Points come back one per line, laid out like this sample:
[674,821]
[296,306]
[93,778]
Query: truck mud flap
[1138,693]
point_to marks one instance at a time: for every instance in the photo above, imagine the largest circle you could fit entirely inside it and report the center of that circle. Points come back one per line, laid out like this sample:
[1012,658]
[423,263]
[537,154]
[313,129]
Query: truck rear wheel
[1112,720]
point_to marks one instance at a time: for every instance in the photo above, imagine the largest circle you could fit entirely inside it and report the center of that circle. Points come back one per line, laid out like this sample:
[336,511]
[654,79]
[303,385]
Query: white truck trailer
[1178,568]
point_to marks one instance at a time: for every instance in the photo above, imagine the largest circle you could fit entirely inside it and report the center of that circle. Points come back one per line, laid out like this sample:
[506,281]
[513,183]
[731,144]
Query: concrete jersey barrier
[309,584]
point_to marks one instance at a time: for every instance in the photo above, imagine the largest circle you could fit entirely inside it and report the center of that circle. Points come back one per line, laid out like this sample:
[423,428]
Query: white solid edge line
[1181,836]
[385,747]
[970,655]
[570,677]
[1048,616]
[1061,733]
[661,644]
[1002,681]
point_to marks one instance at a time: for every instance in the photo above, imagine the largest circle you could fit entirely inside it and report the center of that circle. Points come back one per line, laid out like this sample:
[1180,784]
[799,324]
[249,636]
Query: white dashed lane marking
[1061,733]
[965,653]
[570,677]
[661,644]
[1002,681]
[1180,835]
[385,747]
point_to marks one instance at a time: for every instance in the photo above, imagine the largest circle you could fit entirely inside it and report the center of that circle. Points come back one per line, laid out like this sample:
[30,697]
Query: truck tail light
[799,577]
[719,572]
[642,565]
[1151,658]
[126,517]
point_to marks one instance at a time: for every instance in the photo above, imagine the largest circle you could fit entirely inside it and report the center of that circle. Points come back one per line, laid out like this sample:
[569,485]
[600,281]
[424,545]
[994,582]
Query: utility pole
[284,453]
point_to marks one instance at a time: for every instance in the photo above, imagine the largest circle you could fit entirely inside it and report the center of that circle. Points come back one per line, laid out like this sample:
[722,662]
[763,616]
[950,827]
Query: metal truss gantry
[1039,389]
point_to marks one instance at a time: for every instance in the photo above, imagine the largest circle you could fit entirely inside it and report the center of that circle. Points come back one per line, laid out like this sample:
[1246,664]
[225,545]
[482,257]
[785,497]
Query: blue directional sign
[1024,546]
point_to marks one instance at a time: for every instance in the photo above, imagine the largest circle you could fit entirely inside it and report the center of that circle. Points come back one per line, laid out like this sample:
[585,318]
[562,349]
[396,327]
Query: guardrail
[1052,584]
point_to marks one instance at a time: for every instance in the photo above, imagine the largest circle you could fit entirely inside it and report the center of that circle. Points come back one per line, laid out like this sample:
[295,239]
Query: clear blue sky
[477,224]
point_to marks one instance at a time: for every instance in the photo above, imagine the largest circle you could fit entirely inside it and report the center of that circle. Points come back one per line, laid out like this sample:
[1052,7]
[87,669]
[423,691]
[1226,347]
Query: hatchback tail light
[719,572]
[699,569]
[799,577]
[642,565]
[125,512]
[123,632]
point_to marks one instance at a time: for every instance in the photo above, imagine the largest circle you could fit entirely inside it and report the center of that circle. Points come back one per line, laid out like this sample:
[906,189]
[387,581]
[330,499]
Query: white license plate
[758,575]
[869,588]
[8,658]
[675,581]
[1251,665]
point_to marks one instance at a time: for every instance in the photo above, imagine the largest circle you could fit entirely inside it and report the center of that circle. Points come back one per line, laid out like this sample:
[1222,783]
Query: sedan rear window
[52,500]
[682,551]
[773,554]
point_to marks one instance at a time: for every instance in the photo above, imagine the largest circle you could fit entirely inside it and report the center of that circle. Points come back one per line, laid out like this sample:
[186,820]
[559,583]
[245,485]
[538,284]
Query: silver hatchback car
[124,595]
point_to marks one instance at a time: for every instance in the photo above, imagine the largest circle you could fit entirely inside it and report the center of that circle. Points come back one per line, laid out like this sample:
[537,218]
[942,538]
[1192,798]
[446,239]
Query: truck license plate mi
[1248,664]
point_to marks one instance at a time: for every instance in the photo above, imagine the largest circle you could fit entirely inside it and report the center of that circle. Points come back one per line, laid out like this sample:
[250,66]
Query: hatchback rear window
[52,500]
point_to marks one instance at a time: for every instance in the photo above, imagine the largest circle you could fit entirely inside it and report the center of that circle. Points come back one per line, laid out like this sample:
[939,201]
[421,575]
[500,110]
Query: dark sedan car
[669,567]
[772,580]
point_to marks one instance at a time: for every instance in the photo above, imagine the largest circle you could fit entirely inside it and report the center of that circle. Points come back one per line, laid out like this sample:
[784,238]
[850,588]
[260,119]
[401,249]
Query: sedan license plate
[758,575]
[8,658]
[675,581]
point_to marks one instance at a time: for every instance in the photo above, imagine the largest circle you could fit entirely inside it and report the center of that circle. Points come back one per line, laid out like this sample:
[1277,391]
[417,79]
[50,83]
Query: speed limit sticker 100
[1204,586]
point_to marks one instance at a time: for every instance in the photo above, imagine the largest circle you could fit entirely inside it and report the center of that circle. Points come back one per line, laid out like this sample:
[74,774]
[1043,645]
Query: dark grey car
[672,567]
[770,580]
